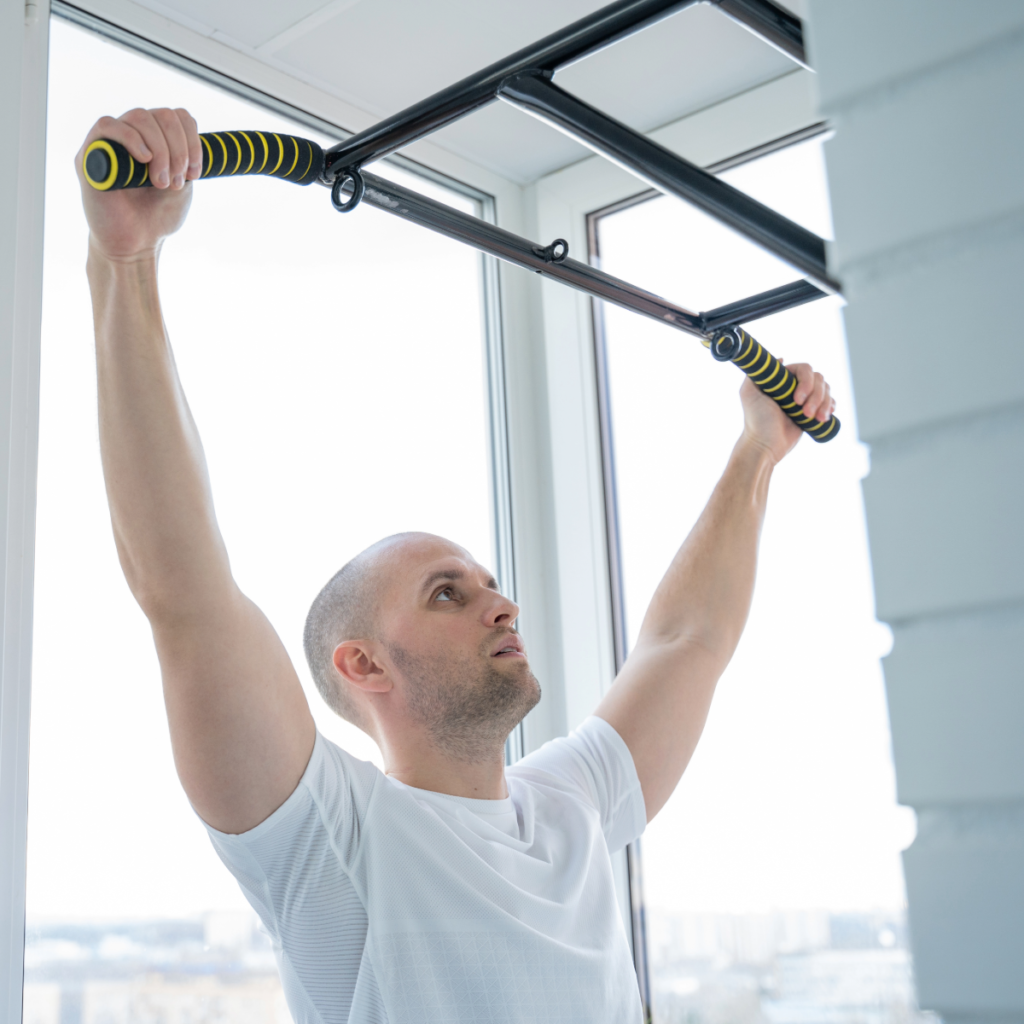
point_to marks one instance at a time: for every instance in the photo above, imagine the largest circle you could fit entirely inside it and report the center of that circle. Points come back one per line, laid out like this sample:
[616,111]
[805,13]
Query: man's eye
[446,595]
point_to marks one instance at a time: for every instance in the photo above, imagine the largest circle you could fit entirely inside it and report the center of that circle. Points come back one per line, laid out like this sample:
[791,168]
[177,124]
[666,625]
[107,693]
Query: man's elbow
[172,599]
[169,590]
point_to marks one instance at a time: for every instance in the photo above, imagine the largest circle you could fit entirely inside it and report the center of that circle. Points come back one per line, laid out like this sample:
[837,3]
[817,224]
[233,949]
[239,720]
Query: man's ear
[356,662]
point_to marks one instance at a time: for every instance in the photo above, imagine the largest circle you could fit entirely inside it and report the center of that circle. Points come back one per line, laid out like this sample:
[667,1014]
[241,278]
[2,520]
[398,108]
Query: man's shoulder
[332,766]
[592,742]
[336,786]
[594,764]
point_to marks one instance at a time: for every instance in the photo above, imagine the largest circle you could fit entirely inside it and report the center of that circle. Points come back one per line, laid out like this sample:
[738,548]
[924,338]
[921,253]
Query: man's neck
[482,779]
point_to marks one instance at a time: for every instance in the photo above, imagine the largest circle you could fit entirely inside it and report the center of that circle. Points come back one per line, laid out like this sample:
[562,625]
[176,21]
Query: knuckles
[164,115]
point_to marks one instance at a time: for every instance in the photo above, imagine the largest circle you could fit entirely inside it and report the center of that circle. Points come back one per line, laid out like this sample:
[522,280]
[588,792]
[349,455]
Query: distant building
[217,970]
[795,967]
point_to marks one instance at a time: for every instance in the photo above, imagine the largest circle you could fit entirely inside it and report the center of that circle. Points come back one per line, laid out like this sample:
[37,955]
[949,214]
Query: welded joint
[775,25]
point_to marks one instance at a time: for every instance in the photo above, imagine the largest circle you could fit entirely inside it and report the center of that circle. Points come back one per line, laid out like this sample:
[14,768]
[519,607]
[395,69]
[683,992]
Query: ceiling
[383,55]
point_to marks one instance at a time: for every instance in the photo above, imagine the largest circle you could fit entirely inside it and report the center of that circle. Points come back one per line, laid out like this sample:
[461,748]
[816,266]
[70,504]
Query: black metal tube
[670,173]
[411,206]
[581,38]
[773,24]
[762,304]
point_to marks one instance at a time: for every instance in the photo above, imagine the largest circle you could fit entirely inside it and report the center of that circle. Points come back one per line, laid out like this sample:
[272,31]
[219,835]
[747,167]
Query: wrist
[117,268]
[119,282]
[751,448]
[99,256]
[752,463]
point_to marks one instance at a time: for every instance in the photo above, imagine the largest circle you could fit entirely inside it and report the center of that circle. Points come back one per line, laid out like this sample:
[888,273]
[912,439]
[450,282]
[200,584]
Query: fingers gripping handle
[771,377]
[108,165]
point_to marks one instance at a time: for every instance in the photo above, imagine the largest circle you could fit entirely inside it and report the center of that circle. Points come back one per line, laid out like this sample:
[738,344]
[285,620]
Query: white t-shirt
[392,904]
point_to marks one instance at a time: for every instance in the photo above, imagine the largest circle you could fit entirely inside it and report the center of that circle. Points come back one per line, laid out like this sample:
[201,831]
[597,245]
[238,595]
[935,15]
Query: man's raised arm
[240,726]
[660,700]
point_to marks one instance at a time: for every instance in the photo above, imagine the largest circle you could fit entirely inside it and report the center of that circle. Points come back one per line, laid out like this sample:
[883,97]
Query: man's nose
[501,611]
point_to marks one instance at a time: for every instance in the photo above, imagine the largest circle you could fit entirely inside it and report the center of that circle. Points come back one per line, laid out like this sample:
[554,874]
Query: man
[448,888]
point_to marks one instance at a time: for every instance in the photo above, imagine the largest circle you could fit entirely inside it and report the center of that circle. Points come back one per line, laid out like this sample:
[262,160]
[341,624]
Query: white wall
[926,172]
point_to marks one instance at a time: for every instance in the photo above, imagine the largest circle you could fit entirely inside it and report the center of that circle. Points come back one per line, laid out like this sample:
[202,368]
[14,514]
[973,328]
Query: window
[772,881]
[336,367]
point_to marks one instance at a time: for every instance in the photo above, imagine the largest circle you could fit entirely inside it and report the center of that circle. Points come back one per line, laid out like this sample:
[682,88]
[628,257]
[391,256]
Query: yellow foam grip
[109,180]
[774,380]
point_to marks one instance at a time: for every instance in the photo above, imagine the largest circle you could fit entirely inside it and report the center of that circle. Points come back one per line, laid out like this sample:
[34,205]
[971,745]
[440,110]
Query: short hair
[345,609]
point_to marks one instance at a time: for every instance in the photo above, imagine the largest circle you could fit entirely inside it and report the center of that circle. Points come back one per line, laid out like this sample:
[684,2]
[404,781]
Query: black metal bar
[411,206]
[575,41]
[762,304]
[670,173]
[773,24]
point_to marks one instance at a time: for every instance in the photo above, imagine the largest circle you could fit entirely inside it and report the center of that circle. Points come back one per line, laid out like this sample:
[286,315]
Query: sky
[335,369]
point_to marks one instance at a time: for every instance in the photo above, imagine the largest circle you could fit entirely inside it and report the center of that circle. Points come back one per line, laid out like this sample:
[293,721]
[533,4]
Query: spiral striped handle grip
[734,345]
[107,165]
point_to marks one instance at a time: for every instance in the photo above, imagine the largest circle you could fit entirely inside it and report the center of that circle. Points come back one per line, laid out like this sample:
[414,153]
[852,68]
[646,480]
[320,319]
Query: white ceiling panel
[387,54]
[511,143]
[383,55]
[681,64]
[250,22]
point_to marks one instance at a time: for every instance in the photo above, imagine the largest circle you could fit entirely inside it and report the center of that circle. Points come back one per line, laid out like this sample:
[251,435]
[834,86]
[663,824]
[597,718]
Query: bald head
[349,608]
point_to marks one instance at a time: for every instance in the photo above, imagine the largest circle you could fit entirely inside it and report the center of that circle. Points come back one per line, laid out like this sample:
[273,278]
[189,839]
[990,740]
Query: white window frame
[583,529]
[24,38]
[559,205]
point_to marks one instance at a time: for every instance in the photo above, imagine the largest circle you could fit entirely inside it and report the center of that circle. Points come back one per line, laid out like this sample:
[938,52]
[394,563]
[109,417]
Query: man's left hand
[769,427]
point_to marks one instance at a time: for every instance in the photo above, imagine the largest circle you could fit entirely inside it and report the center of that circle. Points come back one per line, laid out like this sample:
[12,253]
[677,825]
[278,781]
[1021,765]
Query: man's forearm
[661,698]
[705,596]
[157,486]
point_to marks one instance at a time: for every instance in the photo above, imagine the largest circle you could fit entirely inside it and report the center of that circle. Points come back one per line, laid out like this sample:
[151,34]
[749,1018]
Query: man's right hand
[131,223]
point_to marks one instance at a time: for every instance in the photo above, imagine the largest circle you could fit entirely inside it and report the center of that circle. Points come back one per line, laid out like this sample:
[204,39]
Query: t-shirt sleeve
[595,760]
[295,870]
[326,807]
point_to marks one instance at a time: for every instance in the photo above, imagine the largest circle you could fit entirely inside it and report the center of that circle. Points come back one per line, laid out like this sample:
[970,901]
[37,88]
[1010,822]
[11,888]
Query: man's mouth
[511,648]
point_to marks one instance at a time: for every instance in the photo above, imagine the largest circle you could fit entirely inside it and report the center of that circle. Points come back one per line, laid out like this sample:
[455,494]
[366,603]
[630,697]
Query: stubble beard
[468,710]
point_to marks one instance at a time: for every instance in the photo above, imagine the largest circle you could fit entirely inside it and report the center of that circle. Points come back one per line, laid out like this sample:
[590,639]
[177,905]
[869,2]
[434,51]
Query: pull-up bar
[524,80]
[670,173]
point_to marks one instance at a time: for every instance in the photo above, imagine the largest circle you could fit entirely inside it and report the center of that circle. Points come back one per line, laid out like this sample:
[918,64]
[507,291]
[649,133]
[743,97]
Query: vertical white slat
[926,176]
[23,66]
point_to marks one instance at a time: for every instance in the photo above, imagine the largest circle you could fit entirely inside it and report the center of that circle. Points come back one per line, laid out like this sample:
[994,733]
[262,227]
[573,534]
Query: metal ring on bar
[358,188]
[725,344]
[556,252]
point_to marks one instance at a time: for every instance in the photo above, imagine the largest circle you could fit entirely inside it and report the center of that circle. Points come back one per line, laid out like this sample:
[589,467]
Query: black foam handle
[734,345]
[108,165]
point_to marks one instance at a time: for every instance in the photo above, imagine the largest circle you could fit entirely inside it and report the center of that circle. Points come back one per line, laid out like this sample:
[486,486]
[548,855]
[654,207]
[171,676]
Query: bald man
[447,888]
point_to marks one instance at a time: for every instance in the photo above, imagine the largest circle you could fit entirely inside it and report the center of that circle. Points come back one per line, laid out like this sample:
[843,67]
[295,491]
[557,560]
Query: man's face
[460,663]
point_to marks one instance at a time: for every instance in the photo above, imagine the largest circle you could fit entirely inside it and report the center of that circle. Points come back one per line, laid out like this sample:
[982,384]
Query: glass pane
[716,265]
[772,878]
[335,366]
